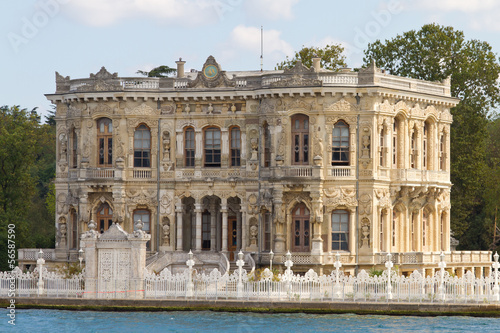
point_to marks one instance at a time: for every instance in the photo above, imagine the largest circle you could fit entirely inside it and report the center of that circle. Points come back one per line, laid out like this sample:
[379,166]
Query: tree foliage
[332,57]
[160,71]
[27,166]
[435,53]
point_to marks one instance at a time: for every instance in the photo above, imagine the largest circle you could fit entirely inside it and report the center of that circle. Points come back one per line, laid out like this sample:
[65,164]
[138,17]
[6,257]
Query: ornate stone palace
[304,160]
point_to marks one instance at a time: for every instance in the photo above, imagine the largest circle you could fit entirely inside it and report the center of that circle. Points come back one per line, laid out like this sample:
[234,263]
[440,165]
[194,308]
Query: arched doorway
[301,237]
[104,217]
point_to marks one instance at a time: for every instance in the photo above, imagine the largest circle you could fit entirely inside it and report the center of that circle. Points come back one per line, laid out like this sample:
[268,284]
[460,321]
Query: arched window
[301,228]
[413,156]
[395,144]
[382,148]
[300,139]
[340,230]
[235,146]
[142,147]
[442,155]
[74,149]
[145,217]
[104,217]
[105,142]
[340,144]
[212,147]
[189,147]
[267,146]
[425,153]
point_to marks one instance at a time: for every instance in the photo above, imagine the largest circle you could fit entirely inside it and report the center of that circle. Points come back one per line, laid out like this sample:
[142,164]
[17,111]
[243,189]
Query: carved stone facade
[305,159]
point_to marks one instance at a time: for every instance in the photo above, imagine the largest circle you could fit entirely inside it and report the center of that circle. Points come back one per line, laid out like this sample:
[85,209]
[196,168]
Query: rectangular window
[340,230]
[212,147]
[235,147]
[189,147]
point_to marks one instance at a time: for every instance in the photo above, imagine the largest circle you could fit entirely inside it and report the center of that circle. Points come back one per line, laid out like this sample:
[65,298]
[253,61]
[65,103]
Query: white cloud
[246,40]
[184,12]
[466,6]
[270,9]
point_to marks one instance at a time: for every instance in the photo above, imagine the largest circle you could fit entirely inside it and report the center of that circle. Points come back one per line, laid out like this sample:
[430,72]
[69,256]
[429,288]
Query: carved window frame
[340,230]
[189,147]
[341,143]
[142,154]
[104,142]
[212,147]
[235,146]
[301,142]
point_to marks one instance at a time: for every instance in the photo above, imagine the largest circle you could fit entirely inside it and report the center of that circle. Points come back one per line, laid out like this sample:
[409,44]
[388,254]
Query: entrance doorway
[105,217]
[232,234]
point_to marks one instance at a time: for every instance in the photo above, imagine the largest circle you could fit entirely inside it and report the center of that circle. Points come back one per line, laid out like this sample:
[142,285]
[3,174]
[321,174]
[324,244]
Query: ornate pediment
[115,232]
[101,81]
[342,105]
[297,80]
[299,69]
[211,76]
[142,109]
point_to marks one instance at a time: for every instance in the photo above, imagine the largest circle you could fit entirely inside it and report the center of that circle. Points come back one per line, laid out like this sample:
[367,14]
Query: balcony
[414,175]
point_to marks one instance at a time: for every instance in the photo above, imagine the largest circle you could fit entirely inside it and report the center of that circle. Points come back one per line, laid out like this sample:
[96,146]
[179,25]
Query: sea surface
[207,321]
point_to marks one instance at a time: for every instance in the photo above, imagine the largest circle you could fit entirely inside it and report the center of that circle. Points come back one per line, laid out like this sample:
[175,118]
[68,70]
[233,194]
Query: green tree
[160,71]
[332,57]
[18,144]
[434,53]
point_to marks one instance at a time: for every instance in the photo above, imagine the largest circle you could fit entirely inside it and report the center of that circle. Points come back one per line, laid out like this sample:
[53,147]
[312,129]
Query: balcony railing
[141,173]
[99,173]
[414,175]
[32,254]
[340,172]
[298,171]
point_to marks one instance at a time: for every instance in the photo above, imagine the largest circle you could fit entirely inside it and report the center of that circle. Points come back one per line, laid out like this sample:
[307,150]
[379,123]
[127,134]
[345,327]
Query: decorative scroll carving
[296,81]
[365,233]
[142,109]
[166,204]
[365,204]
[342,105]
[337,197]
[219,80]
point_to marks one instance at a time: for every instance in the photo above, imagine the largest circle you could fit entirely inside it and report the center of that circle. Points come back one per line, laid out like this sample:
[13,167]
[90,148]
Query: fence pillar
[442,265]
[190,286]
[389,265]
[240,262]
[40,262]
[288,272]
[337,265]
[496,289]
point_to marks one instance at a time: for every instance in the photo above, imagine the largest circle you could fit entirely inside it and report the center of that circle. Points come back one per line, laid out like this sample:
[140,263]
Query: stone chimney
[316,64]
[180,68]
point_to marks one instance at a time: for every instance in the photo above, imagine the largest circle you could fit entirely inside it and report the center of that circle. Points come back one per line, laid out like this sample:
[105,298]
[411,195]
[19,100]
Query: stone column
[244,230]
[328,227]
[179,150]
[352,231]
[197,210]
[419,146]
[225,158]
[418,231]
[401,145]
[198,154]
[317,214]
[224,225]
[446,230]
[178,213]
[213,229]
[243,145]
[280,221]
[387,229]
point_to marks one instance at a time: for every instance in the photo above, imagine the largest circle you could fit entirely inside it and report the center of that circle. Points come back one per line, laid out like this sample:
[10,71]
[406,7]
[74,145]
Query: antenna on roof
[261,49]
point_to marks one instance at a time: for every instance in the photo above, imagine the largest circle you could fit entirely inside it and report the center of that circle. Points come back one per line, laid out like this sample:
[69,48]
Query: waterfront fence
[190,284]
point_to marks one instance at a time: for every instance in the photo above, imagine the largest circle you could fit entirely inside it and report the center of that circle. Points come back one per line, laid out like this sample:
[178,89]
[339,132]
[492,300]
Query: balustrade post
[190,285]
[40,262]
[240,262]
[442,265]
[337,265]
[388,265]
[496,289]
[288,272]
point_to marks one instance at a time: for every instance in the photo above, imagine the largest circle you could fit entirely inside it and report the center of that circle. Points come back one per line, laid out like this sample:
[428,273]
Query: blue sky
[77,37]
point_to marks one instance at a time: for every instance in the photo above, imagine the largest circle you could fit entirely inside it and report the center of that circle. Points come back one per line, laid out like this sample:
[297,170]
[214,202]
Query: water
[206,321]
